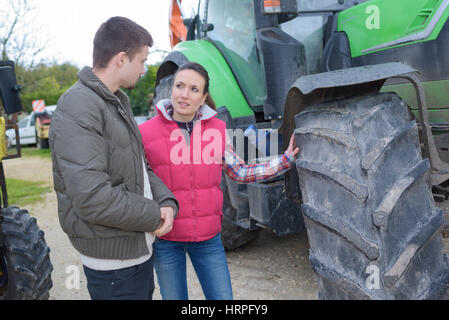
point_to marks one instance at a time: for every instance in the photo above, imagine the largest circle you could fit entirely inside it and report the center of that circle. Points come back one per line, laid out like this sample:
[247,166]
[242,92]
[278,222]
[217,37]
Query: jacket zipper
[195,233]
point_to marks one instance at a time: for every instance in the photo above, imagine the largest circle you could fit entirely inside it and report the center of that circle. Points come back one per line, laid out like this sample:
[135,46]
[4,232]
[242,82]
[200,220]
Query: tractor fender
[339,84]
[328,86]
[223,85]
[170,64]
[355,76]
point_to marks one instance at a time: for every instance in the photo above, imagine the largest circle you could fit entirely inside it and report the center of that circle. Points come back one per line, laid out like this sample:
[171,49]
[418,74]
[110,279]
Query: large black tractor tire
[25,270]
[232,235]
[372,224]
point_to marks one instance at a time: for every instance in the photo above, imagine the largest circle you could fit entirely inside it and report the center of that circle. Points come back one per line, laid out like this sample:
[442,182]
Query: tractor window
[234,34]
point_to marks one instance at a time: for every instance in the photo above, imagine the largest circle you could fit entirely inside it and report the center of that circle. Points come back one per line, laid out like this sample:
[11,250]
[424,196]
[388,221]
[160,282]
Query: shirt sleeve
[243,173]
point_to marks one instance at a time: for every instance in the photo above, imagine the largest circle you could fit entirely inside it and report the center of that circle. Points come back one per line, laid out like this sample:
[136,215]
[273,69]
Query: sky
[70,25]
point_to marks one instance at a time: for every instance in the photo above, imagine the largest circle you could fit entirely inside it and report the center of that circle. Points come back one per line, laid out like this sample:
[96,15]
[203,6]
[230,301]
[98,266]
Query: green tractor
[364,87]
[25,267]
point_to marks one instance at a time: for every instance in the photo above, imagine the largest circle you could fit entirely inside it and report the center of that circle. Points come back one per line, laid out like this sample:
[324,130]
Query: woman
[190,163]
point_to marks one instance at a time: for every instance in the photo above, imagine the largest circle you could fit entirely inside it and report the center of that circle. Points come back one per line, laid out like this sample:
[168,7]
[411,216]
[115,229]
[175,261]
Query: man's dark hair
[116,35]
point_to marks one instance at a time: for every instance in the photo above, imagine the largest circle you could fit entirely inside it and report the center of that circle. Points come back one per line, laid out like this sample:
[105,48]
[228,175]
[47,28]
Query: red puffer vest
[191,171]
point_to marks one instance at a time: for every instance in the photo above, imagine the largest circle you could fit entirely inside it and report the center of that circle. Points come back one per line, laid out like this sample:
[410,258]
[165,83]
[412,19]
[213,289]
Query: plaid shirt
[235,168]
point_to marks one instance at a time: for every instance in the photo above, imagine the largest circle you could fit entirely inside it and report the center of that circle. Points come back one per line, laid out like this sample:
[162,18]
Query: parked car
[27,129]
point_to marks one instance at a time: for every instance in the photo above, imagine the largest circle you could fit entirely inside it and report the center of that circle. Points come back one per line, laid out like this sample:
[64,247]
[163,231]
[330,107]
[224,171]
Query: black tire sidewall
[22,253]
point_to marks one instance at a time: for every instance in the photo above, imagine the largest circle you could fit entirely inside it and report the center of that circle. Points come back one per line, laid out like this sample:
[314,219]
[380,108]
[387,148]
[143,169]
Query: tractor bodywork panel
[381,25]
[224,88]
[418,37]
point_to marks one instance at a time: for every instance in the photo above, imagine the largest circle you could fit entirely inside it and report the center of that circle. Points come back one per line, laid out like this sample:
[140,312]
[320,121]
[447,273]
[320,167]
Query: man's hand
[167,216]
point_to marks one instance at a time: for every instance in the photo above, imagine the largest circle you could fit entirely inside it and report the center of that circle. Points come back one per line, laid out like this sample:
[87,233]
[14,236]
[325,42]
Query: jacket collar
[204,113]
[90,80]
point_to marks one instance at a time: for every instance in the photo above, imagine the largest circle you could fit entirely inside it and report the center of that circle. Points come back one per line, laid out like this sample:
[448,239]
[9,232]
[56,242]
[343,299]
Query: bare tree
[20,39]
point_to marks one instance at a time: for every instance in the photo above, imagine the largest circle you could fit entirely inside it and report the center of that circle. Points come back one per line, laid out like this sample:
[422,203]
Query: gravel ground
[269,268]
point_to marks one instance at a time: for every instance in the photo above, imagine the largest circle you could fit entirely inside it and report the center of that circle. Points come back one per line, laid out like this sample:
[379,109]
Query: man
[110,203]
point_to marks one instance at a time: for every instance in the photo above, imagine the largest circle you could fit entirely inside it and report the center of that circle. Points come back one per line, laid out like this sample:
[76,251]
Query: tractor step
[247,224]
[440,193]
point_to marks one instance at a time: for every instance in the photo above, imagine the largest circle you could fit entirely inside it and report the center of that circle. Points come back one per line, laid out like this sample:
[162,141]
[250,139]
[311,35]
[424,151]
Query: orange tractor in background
[177,31]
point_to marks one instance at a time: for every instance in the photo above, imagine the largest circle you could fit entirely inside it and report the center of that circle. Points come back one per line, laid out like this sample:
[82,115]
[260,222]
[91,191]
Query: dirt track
[268,268]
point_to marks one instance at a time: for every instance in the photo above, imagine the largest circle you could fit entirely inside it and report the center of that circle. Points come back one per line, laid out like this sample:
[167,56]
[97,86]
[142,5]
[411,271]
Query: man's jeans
[133,283]
[208,259]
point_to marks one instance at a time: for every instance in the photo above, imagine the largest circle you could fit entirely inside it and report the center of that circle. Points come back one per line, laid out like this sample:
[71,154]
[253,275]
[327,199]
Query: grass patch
[22,193]
[36,152]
